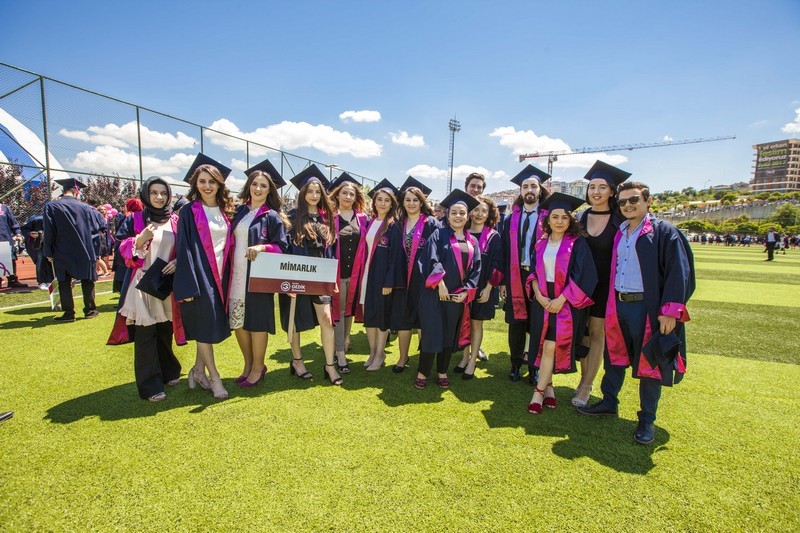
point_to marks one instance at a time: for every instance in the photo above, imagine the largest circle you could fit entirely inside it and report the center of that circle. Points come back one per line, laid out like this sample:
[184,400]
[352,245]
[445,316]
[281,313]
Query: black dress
[602,248]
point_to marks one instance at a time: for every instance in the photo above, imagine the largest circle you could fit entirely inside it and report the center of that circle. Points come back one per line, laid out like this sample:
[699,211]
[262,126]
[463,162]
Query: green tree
[695,226]
[785,215]
[745,228]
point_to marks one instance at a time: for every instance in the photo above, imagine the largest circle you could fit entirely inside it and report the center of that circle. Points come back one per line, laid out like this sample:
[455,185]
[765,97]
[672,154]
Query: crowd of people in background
[605,288]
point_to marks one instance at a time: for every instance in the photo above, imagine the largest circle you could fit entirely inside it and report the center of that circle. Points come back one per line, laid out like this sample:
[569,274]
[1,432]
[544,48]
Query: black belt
[630,296]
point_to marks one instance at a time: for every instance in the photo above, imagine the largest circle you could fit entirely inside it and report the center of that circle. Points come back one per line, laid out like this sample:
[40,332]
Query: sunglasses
[633,200]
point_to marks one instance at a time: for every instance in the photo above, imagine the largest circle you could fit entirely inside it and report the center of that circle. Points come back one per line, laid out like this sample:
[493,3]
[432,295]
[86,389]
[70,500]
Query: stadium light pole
[455,126]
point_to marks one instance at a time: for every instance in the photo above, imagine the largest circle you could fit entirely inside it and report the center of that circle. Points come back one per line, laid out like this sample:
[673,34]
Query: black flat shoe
[515,374]
[597,409]
[467,375]
[645,433]
[398,369]
[459,369]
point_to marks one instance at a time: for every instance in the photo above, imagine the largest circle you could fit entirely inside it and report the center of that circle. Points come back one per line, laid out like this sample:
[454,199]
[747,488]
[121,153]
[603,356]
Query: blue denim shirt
[629,275]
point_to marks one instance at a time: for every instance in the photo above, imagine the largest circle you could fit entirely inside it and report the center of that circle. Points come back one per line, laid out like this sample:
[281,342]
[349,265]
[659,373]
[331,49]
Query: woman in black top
[601,222]
[351,228]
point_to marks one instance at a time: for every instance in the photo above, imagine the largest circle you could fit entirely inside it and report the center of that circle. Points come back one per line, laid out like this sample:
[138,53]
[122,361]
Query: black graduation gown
[377,310]
[305,318]
[266,228]
[441,322]
[44,272]
[8,227]
[205,318]
[68,228]
[575,278]
[405,296]
[491,270]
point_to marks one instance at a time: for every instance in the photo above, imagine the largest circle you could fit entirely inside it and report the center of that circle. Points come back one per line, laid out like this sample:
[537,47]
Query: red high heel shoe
[535,408]
[550,402]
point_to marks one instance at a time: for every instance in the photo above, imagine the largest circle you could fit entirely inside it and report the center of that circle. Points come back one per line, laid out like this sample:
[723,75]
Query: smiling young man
[652,272]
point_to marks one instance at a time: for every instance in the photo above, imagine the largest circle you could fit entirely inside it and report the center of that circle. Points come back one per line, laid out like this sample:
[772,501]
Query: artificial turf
[84,452]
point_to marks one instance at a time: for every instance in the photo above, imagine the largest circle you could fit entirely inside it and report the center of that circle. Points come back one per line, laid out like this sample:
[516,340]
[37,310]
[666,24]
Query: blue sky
[519,76]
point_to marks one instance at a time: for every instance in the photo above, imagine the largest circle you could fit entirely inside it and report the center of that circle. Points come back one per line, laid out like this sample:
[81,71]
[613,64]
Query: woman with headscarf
[147,241]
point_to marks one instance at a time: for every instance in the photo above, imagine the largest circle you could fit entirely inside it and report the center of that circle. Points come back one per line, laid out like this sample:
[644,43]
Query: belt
[630,296]
[525,268]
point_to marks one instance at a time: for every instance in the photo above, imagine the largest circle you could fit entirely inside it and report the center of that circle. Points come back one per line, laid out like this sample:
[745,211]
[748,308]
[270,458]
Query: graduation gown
[44,272]
[127,231]
[667,265]
[516,306]
[362,224]
[377,309]
[491,248]
[445,325]
[305,317]
[68,228]
[408,281]
[266,228]
[575,279]
[205,318]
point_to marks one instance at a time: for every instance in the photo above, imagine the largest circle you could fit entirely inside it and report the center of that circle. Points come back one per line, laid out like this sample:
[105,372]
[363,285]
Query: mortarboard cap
[383,185]
[180,202]
[312,172]
[71,183]
[343,178]
[155,282]
[559,200]
[269,168]
[203,159]
[602,170]
[661,349]
[412,182]
[459,196]
[530,172]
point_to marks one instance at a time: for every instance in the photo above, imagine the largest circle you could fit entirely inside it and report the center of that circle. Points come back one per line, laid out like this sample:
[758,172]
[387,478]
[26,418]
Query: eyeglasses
[633,200]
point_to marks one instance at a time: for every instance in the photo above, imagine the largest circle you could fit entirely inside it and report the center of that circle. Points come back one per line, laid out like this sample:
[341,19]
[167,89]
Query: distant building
[777,167]
[578,188]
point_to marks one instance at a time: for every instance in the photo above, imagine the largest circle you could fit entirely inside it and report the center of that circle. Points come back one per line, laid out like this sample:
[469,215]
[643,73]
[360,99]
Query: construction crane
[553,156]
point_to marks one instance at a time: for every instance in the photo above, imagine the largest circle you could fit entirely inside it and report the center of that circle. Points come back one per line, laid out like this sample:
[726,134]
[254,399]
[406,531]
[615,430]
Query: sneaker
[91,314]
[44,287]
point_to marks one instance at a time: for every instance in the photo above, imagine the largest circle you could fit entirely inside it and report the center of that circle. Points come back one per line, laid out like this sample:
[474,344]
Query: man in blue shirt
[653,274]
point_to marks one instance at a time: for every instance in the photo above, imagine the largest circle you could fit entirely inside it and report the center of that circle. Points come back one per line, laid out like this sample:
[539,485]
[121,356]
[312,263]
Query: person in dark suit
[69,226]
[772,241]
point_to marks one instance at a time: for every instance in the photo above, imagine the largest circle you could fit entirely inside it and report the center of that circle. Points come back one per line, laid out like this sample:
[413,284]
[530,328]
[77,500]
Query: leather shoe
[597,409]
[92,314]
[515,374]
[64,318]
[645,433]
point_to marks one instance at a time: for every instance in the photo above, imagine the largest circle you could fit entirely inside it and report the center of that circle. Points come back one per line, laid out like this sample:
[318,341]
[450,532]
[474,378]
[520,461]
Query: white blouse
[218,227]
[371,234]
[550,260]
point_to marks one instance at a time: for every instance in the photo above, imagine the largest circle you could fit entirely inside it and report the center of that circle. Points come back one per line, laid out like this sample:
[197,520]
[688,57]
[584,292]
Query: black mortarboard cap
[269,168]
[154,282]
[661,349]
[383,185]
[312,172]
[343,178]
[613,175]
[456,196]
[71,183]
[530,172]
[559,200]
[412,182]
[203,159]
[180,202]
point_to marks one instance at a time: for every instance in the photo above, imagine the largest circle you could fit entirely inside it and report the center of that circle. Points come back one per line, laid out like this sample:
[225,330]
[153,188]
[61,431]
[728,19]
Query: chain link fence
[51,130]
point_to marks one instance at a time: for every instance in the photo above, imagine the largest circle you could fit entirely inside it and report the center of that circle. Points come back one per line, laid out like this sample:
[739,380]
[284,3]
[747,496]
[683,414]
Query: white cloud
[793,127]
[459,173]
[402,137]
[527,142]
[360,116]
[113,160]
[239,164]
[126,136]
[667,138]
[292,135]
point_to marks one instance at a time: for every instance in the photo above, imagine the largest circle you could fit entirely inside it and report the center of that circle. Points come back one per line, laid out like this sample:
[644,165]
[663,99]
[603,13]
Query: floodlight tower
[454,127]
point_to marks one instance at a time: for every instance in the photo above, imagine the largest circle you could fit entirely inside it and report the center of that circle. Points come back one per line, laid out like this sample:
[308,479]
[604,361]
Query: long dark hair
[389,219]
[358,205]
[573,229]
[274,200]
[224,200]
[494,213]
[424,208]
[303,227]
[612,200]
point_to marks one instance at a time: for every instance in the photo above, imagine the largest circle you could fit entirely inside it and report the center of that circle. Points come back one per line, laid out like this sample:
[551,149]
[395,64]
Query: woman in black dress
[601,222]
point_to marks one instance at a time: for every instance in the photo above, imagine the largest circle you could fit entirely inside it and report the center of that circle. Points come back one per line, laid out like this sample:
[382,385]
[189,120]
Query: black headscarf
[151,213]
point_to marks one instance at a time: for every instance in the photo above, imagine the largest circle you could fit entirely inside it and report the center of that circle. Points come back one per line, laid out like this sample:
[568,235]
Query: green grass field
[84,452]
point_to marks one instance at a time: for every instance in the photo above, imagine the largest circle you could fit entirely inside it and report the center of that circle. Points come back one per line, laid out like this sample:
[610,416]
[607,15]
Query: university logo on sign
[281,273]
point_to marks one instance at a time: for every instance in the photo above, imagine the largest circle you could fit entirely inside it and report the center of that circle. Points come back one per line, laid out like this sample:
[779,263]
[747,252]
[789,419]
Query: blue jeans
[631,316]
